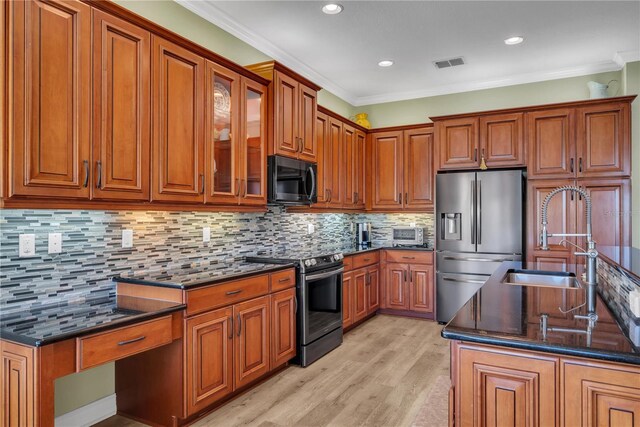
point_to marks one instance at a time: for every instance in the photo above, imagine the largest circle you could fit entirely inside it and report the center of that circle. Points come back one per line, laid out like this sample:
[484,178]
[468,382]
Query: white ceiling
[341,52]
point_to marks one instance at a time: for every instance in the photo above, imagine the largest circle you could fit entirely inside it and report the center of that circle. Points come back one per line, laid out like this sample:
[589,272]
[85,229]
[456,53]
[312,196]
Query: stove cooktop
[302,258]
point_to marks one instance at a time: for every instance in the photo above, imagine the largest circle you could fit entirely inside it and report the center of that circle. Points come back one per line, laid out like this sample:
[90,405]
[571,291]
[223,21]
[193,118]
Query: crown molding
[216,16]
[600,67]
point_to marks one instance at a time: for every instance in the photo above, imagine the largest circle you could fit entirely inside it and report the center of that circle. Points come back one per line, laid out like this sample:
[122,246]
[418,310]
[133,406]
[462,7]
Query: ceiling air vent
[445,63]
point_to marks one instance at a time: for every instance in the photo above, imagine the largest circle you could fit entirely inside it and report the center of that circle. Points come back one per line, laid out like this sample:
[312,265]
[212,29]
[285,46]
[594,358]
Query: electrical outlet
[206,234]
[55,243]
[311,228]
[412,224]
[27,245]
[127,238]
[352,227]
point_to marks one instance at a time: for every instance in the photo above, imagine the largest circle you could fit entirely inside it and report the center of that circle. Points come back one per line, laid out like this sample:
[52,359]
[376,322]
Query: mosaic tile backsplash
[92,252]
[614,285]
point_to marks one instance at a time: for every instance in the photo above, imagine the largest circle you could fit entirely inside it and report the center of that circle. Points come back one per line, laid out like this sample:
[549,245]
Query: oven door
[321,298]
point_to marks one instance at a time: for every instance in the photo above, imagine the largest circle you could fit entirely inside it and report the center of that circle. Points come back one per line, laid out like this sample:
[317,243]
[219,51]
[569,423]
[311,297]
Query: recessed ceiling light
[332,8]
[514,40]
[385,63]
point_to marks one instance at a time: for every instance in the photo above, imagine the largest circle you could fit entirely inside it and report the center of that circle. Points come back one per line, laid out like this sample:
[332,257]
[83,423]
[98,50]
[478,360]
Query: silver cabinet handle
[325,275]
[479,221]
[131,341]
[454,258]
[473,212]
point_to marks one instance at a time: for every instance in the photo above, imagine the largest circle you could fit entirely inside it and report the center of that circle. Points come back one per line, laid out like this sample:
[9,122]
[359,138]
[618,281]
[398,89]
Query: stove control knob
[340,256]
[307,262]
[314,261]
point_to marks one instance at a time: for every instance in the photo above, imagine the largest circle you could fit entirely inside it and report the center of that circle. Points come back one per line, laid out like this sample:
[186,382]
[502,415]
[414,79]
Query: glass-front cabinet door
[253,158]
[222,135]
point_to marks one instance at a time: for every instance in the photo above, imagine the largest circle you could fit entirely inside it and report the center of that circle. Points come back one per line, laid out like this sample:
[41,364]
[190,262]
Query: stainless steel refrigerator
[479,224]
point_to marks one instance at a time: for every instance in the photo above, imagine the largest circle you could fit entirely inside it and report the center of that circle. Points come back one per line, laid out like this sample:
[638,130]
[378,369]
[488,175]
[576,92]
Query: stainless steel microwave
[408,236]
[291,181]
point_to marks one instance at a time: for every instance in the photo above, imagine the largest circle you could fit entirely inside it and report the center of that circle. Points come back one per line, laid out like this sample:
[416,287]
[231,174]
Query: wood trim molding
[121,12]
[570,104]
[265,69]
[43,203]
[325,110]
[401,127]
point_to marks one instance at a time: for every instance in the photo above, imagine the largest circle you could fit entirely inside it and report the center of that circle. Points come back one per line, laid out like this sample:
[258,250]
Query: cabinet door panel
[373,290]
[209,358]
[603,141]
[283,327]
[421,288]
[122,104]
[307,124]
[223,134]
[360,168]
[503,389]
[359,294]
[551,145]
[561,215]
[251,345]
[325,166]
[337,172]
[349,166]
[17,378]
[502,140]
[348,295]
[458,143]
[178,129]
[395,292]
[610,222]
[50,113]
[387,170]
[286,116]
[600,395]
[418,168]
[253,148]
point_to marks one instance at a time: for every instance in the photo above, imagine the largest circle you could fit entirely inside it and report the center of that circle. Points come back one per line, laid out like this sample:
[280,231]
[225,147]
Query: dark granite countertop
[508,315]
[354,249]
[193,276]
[48,324]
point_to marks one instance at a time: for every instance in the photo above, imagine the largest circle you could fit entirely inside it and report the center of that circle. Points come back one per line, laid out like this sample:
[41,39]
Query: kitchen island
[506,370]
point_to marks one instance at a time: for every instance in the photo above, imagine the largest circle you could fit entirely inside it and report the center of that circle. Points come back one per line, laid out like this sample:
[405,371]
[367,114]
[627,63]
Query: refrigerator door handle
[475,282]
[473,212]
[479,221]
[453,258]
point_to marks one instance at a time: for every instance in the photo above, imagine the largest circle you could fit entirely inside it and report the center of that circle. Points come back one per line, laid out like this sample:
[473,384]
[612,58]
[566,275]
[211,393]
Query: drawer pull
[286,279]
[367,259]
[408,257]
[234,292]
[131,341]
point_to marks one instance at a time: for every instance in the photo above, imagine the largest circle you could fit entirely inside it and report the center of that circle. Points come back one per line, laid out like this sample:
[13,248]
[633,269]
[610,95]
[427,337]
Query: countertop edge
[523,345]
[125,321]
[227,278]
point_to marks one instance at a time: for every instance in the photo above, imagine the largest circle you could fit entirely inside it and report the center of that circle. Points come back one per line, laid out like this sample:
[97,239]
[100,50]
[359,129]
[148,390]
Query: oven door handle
[325,275]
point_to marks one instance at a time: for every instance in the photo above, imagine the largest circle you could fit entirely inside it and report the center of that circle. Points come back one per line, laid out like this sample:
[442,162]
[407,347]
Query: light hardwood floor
[380,376]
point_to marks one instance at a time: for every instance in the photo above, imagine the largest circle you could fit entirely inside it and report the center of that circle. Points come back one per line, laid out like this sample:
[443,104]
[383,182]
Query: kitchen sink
[552,279]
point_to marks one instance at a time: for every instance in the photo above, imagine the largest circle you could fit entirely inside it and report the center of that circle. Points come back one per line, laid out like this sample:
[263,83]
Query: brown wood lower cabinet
[17,394]
[360,288]
[251,344]
[496,386]
[284,307]
[408,285]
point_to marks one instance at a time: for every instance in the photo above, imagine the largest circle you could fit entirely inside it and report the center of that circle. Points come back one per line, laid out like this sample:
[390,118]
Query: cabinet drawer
[105,347]
[409,257]
[227,293]
[283,280]
[348,263]
[368,258]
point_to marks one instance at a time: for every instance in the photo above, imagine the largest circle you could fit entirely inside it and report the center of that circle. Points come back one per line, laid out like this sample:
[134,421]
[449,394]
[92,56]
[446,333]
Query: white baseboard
[89,414]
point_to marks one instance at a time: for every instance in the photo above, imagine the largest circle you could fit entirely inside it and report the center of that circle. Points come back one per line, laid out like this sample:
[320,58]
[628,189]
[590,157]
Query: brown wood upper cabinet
[235,152]
[293,104]
[49,58]
[402,175]
[591,141]
[121,109]
[178,123]
[464,142]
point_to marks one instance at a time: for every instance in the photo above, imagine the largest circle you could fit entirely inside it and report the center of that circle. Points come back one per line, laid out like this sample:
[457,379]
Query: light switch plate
[55,243]
[311,228]
[206,234]
[27,245]
[127,238]
[412,224]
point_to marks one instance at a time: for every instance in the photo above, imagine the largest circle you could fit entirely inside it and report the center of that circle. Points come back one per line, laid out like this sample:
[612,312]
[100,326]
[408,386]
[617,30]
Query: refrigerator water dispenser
[450,226]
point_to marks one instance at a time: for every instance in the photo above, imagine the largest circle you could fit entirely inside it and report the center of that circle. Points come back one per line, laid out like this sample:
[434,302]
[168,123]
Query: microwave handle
[313,183]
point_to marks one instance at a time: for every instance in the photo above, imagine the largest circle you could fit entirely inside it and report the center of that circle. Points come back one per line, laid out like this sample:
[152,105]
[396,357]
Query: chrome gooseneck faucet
[591,253]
